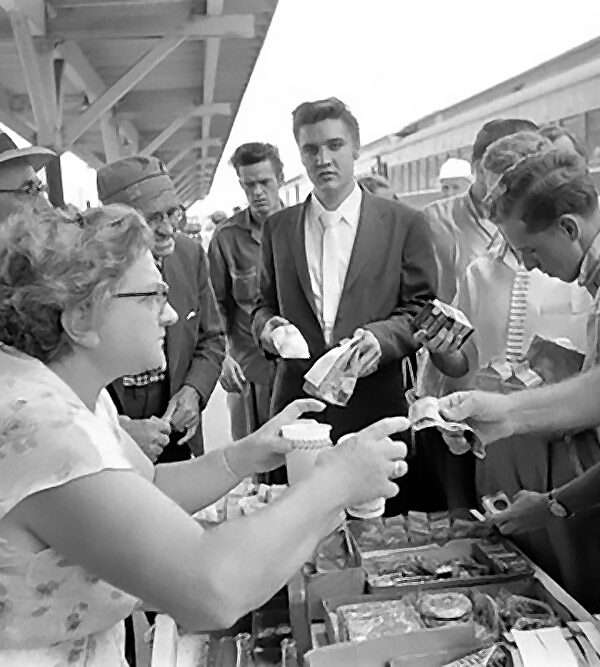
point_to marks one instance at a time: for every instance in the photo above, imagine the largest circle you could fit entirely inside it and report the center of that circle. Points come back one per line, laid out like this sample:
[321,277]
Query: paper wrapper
[436,315]
[290,343]
[333,377]
[554,360]
[424,413]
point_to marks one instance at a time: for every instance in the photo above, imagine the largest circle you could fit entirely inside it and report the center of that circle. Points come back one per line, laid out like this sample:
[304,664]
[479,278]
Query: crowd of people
[115,328]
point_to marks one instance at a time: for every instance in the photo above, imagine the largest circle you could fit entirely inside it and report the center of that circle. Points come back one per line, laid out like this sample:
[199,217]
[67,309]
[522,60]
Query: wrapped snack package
[442,608]
[554,360]
[460,438]
[495,503]
[369,620]
[504,377]
[290,343]
[331,554]
[333,377]
[436,316]
[492,656]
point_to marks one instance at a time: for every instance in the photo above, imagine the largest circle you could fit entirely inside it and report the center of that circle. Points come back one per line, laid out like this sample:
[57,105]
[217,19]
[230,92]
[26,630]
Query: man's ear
[569,226]
[79,324]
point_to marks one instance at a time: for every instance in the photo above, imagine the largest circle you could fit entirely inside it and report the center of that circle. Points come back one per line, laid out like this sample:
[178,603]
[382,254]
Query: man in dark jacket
[162,408]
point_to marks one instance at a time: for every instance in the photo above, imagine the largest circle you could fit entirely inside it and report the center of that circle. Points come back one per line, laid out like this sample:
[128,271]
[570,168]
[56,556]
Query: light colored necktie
[517,317]
[329,276]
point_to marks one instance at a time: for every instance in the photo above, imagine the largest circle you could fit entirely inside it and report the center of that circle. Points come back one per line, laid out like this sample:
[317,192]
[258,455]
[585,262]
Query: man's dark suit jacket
[391,275]
[196,342]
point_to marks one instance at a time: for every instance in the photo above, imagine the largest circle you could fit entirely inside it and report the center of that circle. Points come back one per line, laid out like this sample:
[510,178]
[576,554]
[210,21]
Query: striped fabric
[517,317]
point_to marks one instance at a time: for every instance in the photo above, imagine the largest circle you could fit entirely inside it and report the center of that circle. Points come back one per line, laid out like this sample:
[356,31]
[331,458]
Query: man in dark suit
[341,264]
[162,408]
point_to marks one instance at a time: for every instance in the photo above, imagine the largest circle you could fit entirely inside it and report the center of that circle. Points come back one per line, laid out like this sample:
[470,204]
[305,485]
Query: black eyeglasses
[173,215]
[29,189]
[160,294]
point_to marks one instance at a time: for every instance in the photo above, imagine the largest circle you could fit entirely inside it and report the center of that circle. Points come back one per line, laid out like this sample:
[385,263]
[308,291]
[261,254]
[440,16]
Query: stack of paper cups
[371,510]
[308,439]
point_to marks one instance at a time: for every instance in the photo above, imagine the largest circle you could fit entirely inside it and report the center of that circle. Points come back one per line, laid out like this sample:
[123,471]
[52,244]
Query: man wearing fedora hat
[19,183]
[162,408]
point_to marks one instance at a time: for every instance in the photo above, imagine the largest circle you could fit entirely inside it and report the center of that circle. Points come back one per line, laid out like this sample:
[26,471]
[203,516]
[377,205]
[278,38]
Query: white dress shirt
[344,233]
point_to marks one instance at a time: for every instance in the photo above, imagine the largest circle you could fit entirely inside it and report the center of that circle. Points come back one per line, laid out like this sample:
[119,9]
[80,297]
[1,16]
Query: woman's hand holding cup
[363,465]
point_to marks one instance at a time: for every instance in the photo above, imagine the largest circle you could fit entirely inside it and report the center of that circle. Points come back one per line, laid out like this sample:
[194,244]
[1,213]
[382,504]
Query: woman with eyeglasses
[87,525]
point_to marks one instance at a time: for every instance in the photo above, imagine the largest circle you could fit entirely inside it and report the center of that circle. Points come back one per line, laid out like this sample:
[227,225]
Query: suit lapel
[298,249]
[366,245]
[172,274]
[366,242]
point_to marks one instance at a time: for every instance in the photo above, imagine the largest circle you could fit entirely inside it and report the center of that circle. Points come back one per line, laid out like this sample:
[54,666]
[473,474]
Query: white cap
[455,168]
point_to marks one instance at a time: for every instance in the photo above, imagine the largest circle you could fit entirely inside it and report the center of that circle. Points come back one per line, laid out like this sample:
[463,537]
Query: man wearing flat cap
[19,182]
[162,408]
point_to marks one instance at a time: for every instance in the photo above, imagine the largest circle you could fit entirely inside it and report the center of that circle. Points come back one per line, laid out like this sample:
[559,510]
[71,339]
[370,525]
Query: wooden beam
[83,76]
[11,118]
[37,65]
[184,194]
[110,137]
[33,10]
[213,141]
[200,171]
[203,110]
[111,96]
[211,62]
[86,4]
[88,156]
[190,178]
[182,175]
[186,186]
[195,27]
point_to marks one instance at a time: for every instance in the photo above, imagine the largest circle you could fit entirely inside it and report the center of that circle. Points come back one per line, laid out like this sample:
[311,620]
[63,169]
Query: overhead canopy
[110,78]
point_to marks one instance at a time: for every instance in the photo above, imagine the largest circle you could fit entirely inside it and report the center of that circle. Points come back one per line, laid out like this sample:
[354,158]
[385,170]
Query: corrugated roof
[158,76]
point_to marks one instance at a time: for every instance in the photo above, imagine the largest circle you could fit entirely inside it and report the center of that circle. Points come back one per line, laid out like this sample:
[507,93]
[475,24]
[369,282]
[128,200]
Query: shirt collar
[487,227]
[246,221]
[349,209]
[589,276]
[502,252]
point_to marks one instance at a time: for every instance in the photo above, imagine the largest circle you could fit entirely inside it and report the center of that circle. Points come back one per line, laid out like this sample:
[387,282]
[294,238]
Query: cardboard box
[412,648]
[308,588]
[422,645]
[323,585]
[453,549]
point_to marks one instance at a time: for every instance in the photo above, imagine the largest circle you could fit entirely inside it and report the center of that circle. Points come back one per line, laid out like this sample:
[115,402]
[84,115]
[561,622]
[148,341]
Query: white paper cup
[371,510]
[300,464]
[308,439]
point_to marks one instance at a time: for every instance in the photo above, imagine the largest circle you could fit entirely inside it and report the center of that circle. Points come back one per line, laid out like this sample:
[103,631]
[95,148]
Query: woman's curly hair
[51,262]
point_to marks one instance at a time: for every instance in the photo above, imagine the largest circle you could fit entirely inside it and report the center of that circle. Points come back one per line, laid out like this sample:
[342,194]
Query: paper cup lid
[306,430]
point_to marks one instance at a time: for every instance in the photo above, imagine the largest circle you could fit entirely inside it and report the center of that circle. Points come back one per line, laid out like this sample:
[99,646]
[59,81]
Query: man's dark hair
[496,129]
[309,113]
[506,151]
[545,186]
[555,132]
[255,152]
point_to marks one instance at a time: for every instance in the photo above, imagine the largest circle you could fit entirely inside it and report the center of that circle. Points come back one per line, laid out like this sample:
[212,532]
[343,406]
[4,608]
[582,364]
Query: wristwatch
[556,508]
